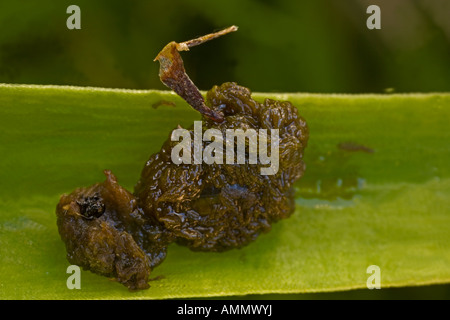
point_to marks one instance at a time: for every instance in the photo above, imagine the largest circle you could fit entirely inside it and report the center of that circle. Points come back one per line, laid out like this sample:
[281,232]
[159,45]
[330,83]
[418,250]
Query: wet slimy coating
[217,207]
[207,207]
[213,207]
[120,243]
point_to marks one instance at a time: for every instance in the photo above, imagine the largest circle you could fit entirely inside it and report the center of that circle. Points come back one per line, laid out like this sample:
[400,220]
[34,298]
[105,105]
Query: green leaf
[387,204]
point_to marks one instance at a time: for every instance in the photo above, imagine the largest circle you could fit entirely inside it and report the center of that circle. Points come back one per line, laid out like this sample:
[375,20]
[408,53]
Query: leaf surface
[376,192]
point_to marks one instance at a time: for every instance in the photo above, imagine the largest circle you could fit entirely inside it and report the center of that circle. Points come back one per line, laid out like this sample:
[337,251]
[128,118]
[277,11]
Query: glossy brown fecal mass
[207,207]
[223,206]
[121,242]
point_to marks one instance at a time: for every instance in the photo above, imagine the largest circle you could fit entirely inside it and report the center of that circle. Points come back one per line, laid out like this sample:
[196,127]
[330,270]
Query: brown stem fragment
[173,74]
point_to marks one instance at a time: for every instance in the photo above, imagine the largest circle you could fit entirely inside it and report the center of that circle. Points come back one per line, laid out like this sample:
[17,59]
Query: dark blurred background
[282,45]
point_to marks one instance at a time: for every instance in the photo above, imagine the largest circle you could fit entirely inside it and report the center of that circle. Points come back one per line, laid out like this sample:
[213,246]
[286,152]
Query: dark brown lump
[116,243]
[218,207]
[207,207]
[213,207]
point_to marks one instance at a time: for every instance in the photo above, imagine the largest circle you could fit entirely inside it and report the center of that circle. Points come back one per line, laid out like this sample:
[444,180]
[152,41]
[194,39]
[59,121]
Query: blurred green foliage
[284,45]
